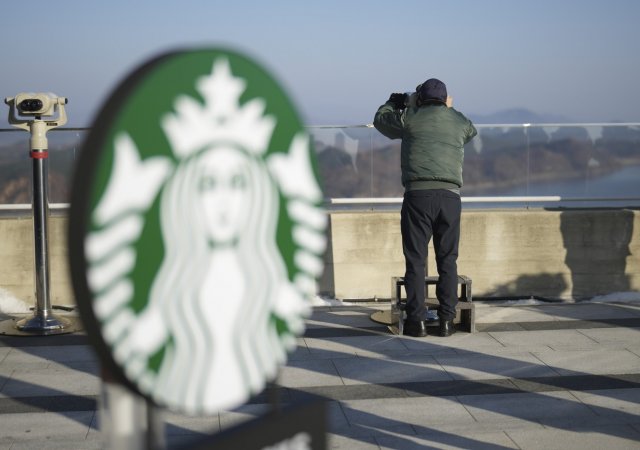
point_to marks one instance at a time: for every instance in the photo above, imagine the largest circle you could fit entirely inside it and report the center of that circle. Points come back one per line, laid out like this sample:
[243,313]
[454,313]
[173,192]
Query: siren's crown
[221,119]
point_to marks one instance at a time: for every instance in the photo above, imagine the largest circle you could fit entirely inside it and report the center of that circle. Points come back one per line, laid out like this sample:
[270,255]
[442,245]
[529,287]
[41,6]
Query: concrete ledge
[544,253]
[17,260]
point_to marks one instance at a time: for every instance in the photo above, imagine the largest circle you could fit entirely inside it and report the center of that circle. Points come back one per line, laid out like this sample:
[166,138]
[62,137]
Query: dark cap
[432,90]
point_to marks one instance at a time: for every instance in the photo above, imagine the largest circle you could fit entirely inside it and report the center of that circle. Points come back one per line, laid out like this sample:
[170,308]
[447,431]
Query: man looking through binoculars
[433,136]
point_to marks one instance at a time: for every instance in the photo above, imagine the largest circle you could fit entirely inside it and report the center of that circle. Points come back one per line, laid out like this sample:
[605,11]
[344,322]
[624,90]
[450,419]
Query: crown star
[223,88]
[221,118]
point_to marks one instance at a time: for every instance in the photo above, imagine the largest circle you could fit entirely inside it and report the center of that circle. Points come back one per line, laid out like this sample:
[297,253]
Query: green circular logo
[196,233]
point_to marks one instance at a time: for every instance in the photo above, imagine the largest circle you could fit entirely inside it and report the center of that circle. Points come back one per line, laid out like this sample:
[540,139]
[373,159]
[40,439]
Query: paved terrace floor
[544,376]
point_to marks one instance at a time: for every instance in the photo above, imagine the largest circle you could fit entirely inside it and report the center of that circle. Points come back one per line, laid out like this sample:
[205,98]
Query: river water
[623,183]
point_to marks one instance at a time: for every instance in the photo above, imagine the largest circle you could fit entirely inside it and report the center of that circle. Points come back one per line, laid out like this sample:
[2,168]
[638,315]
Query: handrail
[398,201]
[369,125]
[497,199]
[561,125]
[27,206]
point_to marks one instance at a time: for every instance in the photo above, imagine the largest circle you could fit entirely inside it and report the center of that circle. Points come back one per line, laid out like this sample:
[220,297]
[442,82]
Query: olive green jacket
[433,137]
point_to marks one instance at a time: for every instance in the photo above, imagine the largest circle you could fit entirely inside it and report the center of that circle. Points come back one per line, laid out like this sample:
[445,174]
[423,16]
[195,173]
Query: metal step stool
[465,306]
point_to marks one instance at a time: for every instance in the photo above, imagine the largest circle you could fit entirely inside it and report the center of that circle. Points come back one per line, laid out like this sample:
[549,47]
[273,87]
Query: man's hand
[449,101]
[398,100]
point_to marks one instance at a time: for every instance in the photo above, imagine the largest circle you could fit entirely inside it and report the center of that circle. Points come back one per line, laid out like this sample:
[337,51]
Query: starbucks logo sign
[196,233]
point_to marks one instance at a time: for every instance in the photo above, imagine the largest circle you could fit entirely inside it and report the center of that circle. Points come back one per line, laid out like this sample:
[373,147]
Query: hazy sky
[341,59]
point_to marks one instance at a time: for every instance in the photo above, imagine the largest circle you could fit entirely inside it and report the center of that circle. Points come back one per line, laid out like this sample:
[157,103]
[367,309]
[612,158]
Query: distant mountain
[518,115]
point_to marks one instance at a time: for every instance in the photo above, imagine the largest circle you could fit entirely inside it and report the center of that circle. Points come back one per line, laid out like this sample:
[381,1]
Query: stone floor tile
[323,354]
[390,370]
[336,418]
[16,358]
[527,406]
[89,367]
[503,352]
[361,345]
[570,347]
[366,431]
[35,426]
[309,373]
[618,402]
[353,392]
[479,366]
[614,334]
[59,443]
[528,339]
[635,349]
[591,311]
[60,354]
[460,340]
[94,426]
[300,352]
[5,376]
[418,352]
[470,429]
[42,382]
[441,440]
[580,423]
[423,412]
[611,438]
[512,313]
[591,362]
[632,307]
[341,318]
[338,442]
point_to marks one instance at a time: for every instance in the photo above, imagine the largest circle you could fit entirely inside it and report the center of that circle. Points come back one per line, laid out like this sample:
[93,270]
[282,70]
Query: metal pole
[156,439]
[40,203]
[43,320]
[127,420]
[122,418]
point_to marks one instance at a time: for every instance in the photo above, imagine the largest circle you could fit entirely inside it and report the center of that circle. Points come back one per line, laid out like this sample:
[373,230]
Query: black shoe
[415,328]
[446,328]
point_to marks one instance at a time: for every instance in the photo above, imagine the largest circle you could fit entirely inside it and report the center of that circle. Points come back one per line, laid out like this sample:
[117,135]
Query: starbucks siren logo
[224,307]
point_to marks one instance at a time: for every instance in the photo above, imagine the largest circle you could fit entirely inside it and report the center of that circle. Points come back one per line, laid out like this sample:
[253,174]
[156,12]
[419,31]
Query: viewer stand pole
[43,320]
[34,106]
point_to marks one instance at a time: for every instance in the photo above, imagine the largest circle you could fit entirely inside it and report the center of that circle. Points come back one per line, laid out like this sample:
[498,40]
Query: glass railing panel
[15,167]
[585,162]
[386,177]
[344,160]
[560,161]
[496,162]
[614,169]
[64,149]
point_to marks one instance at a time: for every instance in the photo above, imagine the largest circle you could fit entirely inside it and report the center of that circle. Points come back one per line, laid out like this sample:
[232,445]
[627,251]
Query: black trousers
[427,213]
